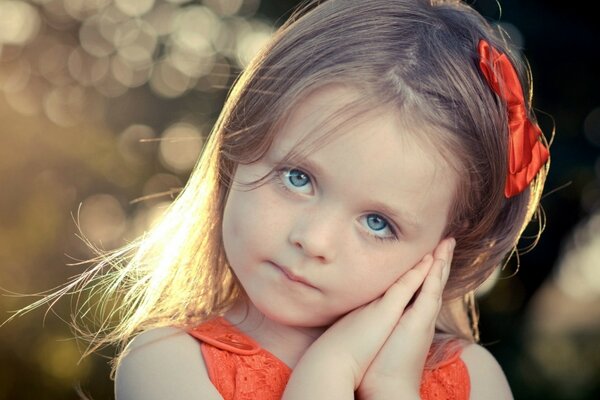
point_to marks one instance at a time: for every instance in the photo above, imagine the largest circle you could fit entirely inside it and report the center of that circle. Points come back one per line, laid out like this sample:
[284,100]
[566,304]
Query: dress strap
[219,333]
[236,364]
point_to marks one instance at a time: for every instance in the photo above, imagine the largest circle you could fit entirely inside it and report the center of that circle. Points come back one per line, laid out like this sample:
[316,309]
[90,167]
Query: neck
[288,343]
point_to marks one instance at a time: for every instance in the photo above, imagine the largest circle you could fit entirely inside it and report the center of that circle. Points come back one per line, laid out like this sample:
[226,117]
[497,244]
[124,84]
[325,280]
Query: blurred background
[103,102]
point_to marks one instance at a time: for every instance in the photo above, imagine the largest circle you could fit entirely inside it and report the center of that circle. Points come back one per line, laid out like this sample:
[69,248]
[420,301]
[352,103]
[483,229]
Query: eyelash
[279,177]
[279,180]
[394,236]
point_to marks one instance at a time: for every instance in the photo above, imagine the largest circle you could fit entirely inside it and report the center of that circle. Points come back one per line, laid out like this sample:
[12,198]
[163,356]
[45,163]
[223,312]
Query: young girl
[374,164]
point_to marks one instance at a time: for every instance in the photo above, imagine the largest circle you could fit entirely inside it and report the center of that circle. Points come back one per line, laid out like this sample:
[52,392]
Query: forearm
[317,378]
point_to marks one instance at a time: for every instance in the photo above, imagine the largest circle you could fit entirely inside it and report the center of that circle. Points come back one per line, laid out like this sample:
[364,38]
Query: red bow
[527,154]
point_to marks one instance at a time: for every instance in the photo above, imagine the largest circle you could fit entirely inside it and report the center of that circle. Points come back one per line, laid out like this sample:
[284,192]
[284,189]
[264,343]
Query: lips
[291,276]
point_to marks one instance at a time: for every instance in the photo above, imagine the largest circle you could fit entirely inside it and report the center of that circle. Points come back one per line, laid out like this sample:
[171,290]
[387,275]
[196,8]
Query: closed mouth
[291,276]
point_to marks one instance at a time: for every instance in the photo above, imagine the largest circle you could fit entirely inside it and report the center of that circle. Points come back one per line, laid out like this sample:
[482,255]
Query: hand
[392,344]
[398,366]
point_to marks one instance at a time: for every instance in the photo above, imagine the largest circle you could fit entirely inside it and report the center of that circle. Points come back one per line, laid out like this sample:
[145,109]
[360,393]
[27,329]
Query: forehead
[371,157]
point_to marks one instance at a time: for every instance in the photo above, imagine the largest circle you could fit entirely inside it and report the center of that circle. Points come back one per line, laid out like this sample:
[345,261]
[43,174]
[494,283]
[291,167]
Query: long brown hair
[417,55]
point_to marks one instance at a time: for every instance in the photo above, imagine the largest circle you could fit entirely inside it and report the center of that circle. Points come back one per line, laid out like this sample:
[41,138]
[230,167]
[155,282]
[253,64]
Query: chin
[298,319]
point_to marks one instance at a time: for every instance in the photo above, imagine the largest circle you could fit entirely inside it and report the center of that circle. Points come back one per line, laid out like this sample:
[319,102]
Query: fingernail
[452,244]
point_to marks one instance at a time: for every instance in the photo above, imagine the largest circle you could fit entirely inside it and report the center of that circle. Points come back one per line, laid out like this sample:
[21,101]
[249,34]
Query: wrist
[319,376]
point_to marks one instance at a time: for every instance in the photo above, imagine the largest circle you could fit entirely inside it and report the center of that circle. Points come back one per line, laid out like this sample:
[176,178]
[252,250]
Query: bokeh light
[180,147]
[20,22]
[103,220]
[578,274]
[174,47]
[71,67]
[134,143]
[591,126]
[134,8]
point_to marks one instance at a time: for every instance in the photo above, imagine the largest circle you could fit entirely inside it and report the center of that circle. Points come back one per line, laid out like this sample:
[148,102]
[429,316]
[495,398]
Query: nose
[315,233]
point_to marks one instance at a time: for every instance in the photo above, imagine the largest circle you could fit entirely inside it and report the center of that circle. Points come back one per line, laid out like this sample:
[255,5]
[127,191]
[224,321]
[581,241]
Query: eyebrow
[397,214]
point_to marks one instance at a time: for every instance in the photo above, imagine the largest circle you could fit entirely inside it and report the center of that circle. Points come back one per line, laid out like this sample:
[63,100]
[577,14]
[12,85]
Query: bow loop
[527,154]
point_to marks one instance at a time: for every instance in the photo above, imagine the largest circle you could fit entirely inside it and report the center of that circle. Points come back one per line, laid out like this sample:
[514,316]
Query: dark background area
[82,82]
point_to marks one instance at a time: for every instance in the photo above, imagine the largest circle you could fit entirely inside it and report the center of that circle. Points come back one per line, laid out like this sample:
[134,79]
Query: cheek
[238,221]
[374,277]
[250,222]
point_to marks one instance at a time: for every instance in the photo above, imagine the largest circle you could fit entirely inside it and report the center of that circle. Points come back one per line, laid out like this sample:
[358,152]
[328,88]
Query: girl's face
[324,237]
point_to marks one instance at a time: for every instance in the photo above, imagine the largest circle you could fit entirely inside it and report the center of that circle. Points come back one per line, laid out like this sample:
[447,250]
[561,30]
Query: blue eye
[294,180]
[297,177]
[376,223]
[379,227]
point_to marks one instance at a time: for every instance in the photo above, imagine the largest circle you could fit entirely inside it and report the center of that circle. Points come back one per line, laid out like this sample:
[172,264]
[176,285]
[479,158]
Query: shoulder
[163,363]
[487,378]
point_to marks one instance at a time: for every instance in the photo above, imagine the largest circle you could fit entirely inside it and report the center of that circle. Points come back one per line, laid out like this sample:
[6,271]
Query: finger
[417,324]
[422,314]
[383,313]
[433,285]
[402,291]
[445,251]
[386,311]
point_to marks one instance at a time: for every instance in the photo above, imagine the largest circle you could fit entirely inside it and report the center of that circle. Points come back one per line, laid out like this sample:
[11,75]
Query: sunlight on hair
[146,218]
[161,186]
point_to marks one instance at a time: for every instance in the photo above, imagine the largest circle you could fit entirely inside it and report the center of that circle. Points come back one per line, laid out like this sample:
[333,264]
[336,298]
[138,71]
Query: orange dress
[241,370]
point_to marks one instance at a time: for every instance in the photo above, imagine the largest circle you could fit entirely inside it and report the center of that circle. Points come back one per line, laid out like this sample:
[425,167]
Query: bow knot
[527,154]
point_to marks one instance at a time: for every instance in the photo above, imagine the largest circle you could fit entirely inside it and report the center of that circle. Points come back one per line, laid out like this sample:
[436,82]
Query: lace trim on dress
[237,366]
[241,370]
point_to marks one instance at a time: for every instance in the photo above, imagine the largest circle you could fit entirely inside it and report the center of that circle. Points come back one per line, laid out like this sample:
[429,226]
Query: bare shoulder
[163,363]
[487,378]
